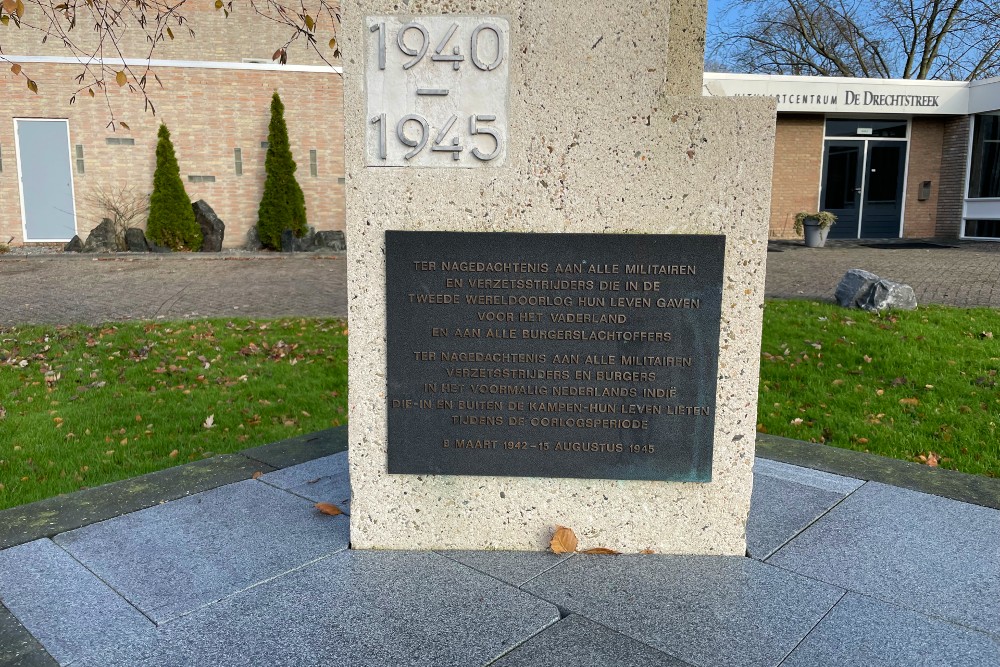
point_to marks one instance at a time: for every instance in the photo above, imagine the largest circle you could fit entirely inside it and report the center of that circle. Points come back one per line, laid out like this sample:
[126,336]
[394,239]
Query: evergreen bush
[283,206]
[171,221]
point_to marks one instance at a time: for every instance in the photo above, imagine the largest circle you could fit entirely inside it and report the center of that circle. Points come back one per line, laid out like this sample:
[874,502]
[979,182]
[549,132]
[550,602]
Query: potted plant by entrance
[815,226]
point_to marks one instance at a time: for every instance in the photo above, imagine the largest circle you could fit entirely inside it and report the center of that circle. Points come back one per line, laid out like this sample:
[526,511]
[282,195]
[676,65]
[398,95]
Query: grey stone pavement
[852,559]
[92,289]
[70,288]
[227,571]
[947,272]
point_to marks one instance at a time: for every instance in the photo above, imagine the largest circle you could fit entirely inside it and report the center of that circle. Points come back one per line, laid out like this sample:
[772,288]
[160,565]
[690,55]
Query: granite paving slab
[709,611]
[320,480]
[864,631]
[63,605]
[174,558]
[934,555]
[513,567]
[580,642]
[376,609]
[786,499]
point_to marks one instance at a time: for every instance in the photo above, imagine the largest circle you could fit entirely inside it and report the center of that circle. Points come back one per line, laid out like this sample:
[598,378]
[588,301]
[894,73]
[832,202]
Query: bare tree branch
[918,39]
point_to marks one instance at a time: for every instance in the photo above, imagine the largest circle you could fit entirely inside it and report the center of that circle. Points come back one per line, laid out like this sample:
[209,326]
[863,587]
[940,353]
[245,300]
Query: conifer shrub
[282,206]
[171,221]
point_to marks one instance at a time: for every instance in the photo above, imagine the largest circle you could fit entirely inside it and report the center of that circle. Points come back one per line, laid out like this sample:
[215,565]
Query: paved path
[967,274]
[842,571]
[67,289]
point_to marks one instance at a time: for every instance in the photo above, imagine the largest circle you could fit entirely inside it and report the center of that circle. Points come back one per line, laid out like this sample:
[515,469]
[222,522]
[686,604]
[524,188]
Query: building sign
[553,355]
[838,94]
[436,91]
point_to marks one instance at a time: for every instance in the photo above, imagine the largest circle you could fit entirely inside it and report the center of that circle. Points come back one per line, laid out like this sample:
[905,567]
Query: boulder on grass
[854,287]
[135,240]
[102,238]
[75,245]
[888,295]
[212,228]
[329,240]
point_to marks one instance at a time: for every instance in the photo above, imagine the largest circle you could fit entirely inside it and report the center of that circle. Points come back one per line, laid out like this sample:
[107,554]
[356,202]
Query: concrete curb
[972,489]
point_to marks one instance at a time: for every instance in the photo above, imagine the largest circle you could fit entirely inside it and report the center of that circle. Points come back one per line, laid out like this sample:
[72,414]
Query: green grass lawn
[82,406]
[918,386]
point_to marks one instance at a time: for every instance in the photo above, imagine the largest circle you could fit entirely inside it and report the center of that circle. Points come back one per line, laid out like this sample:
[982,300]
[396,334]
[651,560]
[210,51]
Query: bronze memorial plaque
[553,355]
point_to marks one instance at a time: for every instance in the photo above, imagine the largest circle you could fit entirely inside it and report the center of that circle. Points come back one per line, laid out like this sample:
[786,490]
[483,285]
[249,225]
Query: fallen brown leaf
[257,475]
[563,541]
[327,508]
[909,401]
[601,551]
[929,459]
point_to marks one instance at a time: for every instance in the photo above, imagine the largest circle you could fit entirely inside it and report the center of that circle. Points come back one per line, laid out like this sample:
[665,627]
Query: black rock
[135,240]
[305,243]
[102,238]
[288,241]
[329,240]
[74,245]
[889,295]
[253,243]
[854,287]
[212,228]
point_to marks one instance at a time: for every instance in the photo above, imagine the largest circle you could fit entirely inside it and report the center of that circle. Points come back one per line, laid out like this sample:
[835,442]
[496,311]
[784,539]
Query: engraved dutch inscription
[553,355]
[436,91]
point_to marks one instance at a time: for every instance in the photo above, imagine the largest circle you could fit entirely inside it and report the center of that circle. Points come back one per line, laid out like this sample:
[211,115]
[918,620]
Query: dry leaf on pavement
[563,541]
[328,508]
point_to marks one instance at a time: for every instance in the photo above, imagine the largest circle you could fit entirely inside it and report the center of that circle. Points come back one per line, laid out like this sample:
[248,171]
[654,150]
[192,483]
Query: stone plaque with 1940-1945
[553,355]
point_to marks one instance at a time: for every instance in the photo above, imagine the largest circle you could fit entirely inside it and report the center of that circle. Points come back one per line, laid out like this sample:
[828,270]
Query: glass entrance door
[863,187]
[842,186]
[883,202]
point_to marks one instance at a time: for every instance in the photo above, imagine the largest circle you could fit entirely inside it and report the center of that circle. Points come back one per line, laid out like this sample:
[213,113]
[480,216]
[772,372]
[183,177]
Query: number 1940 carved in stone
[436,91]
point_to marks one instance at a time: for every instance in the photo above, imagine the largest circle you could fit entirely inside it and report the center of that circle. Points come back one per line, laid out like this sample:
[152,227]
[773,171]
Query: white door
[48,211]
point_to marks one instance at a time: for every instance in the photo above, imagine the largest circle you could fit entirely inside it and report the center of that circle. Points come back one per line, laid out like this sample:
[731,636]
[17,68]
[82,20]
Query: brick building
[56,157]
[891,158]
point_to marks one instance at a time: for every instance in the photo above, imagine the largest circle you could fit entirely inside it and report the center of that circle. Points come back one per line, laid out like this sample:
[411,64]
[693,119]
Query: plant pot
[814,233]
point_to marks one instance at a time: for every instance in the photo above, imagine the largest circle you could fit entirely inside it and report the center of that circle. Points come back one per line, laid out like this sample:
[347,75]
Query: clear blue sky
[713,8]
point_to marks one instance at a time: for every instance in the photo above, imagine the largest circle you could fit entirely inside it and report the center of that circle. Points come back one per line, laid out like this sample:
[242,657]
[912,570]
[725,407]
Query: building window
[238,156]
[984,175]
[79,158]
[984,229]
[201,179]
[120,141]
[313,167]
[866,128]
